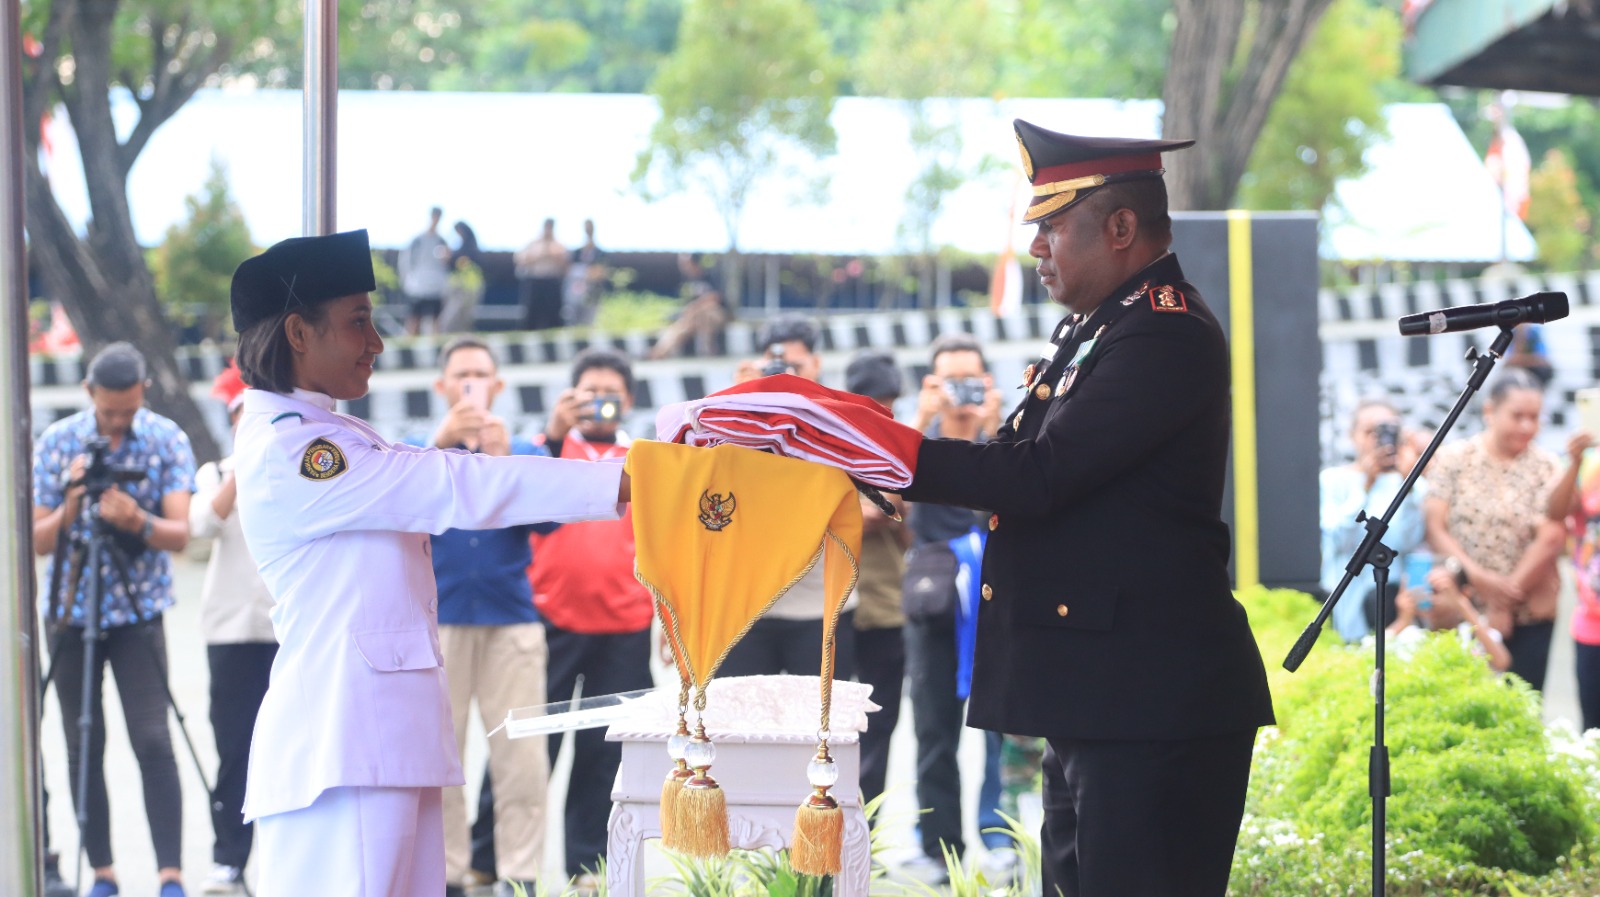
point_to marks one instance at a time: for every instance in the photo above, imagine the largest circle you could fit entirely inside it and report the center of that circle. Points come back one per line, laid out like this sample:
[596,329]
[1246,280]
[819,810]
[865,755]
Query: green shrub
[1482,795]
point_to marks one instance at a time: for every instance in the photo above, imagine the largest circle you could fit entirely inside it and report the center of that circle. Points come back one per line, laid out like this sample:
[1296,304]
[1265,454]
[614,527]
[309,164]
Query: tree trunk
[102,279]
[1219,92]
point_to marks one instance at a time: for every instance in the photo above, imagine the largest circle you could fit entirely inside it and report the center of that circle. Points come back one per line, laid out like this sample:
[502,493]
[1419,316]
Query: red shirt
[582,574]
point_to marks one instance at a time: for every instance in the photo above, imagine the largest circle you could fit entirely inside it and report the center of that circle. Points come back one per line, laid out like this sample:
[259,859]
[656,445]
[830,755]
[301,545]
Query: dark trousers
[1588,664]
[880,663]
[608,664]
[1529,644]
[936,715]
[138,658]
[775,646]
[239,676]
[541,302]
[1143,818]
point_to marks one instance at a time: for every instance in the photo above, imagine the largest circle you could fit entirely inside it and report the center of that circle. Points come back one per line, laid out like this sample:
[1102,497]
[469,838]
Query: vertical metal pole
[21,859]
[320,107]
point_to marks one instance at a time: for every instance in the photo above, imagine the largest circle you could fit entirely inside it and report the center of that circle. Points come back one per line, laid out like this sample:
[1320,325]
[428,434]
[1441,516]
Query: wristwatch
[149,527]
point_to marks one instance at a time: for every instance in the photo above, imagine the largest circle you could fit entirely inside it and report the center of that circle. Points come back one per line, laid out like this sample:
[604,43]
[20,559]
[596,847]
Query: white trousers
[355,842]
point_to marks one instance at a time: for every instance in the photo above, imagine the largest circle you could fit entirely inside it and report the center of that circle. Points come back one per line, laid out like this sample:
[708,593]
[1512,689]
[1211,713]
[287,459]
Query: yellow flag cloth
[721,533]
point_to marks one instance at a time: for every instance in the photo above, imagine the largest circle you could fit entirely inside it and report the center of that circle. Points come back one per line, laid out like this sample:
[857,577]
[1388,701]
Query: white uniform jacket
[337,518]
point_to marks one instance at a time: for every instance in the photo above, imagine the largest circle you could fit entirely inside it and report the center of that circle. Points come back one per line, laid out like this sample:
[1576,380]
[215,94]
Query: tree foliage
[1560,223]
[194,265]
[491,45]
[1329,111]
[923,54]
[160,52]
[744,97]
[1228,61]
[1068,48]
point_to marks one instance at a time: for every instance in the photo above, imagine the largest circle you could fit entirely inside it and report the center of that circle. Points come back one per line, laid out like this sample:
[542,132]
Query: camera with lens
[966,390]
[1387,436]
[775,363]
[99,474]
[606,409]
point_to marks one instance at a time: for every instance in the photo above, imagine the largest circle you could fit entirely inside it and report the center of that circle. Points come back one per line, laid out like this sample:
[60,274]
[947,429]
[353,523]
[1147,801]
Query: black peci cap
[1065,168]
[874,375]
[299,273]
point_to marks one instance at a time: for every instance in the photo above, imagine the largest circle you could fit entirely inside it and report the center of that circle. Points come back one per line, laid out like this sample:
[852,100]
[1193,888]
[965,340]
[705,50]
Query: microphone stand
[1373,552]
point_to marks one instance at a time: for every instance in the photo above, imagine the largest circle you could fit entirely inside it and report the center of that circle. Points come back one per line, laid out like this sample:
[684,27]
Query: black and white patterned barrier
[1363,354]
[536,366]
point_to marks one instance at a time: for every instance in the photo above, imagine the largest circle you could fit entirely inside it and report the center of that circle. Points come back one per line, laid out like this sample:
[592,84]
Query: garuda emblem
[716,511]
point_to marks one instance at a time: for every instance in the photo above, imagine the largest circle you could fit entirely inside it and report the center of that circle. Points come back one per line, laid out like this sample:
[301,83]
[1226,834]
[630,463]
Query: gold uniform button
[1061,610]
[1043,392]
[994,522]
[987,592]
[1016,421]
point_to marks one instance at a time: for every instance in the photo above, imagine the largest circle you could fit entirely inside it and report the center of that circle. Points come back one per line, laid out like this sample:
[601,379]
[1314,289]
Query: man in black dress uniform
[1107,624]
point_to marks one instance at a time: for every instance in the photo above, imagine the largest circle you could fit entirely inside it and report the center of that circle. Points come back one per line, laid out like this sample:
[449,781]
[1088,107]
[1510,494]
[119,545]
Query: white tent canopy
[504,162]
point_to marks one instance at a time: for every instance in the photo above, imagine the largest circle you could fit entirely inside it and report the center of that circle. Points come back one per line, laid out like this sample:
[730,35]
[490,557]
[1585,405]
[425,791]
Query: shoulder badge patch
[716,510]
[322,461]
[1165,298]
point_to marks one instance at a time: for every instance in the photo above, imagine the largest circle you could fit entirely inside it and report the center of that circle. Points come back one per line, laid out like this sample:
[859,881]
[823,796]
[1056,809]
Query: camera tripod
[87,560]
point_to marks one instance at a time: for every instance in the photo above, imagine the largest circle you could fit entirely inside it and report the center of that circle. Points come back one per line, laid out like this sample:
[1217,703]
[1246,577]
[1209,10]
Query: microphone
[1538,308]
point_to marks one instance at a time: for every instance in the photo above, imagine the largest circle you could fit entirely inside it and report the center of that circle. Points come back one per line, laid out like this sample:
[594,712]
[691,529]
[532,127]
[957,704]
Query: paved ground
[190,683]
[130,834]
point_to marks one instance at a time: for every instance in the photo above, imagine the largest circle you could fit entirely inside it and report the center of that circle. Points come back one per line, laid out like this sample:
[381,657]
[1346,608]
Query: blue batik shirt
[154,445]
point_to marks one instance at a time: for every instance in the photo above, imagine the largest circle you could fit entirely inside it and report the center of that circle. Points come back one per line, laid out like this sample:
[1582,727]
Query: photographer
[142,469]
[958,401]
[1368,482]
[491,637]
[597,615]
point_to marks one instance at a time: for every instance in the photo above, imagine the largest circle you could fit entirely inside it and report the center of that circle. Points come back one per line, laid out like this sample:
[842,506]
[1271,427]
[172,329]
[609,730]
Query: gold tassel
[672,786]
[701,826]
[818,844]
[700,811]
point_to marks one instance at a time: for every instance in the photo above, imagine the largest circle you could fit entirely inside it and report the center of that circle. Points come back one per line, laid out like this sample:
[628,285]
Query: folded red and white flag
[793,417]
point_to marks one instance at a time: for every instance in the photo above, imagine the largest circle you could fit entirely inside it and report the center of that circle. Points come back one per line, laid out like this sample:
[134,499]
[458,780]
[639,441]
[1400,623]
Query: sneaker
[925,869]
[509,888]
[103,887]
[585,885]
[54,886]
[172,889]
[224,880]
[1000,866]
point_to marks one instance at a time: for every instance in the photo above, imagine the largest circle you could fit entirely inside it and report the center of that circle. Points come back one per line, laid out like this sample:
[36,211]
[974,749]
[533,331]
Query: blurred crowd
[1479,540]
[527,615]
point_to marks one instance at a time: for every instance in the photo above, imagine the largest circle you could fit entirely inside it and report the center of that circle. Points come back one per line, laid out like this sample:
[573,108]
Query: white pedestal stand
[760,767]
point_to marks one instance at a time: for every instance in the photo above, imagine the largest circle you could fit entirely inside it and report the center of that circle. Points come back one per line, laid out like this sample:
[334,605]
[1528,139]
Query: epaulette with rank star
[1167,298]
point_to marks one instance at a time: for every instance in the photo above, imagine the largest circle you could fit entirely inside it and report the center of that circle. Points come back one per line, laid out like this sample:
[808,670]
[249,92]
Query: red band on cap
[1108,165]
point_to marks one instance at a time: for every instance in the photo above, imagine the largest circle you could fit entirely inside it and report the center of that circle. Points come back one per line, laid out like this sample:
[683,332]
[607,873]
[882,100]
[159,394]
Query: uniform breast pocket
[1091,609]
[397,650]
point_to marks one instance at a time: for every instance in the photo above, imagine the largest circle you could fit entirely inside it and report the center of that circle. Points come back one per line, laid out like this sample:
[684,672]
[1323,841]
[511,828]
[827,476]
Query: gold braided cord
[1093,180]
[1042,210]
[669,626]
[829,641]
[670,618]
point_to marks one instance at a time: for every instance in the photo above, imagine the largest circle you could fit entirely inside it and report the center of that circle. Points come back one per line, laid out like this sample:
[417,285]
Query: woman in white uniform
[354,739]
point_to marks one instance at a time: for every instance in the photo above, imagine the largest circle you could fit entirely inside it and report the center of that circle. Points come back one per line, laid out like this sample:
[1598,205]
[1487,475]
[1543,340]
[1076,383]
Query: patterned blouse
[138,579]
[1495,506]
